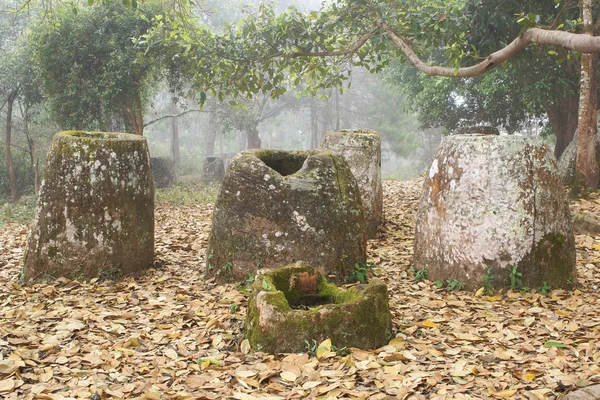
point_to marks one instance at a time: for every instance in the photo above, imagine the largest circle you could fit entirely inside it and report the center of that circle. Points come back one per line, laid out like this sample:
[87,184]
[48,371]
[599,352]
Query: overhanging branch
[171,116]
[572,41]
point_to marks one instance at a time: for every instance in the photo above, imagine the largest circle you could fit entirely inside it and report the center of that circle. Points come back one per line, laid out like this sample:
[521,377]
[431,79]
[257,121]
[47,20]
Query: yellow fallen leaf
[323,349]
[398,343]
[430,324]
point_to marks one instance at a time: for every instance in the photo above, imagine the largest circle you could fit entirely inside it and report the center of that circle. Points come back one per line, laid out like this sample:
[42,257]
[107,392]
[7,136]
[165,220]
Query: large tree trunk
[587,164]
[253,138]
[175,135]
[211,135]
[314,124]
[9,160]
[563,120]
[132,111]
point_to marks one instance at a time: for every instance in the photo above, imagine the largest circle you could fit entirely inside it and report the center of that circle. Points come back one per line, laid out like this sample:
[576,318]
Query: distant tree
[89,66]
[17,85]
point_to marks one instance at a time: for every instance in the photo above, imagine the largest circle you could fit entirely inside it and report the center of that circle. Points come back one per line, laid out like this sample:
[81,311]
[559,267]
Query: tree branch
[572,41]
[172,116]
[349,50]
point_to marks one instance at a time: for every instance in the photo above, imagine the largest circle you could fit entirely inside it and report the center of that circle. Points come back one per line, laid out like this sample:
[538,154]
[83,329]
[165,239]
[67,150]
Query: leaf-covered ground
[172,335]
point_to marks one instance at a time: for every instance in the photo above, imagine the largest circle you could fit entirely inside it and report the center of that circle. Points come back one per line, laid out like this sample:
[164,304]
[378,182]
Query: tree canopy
[89,67]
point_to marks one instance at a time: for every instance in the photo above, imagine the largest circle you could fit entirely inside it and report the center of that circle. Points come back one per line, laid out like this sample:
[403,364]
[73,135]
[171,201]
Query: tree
[267,51]
[89,67]
[18,85]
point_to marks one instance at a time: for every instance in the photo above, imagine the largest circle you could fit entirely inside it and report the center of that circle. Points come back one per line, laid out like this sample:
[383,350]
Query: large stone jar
[95,210]
[362,150]
[494,206]
[277,207]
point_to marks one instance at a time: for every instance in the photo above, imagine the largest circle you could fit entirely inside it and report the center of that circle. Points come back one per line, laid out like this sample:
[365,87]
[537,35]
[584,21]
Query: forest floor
[173,335]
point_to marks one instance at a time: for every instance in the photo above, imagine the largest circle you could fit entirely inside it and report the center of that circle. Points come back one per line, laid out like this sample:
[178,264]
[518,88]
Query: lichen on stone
[491,203]
[277,207]
[94,214]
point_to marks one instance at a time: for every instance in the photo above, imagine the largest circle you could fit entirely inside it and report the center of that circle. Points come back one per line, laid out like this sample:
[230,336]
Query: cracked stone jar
[278,207]
[494,209]
[95,210]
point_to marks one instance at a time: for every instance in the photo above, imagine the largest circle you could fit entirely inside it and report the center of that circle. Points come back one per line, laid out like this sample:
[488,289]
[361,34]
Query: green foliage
[455,285]
[89,68]
[20,212]
[187,193]
[438,284]
[421,274]
[516,283]
[545,289]
[311,348]
[488,284]
[361,271]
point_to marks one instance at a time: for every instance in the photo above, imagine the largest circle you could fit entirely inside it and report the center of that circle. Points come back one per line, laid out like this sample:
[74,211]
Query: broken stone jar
[278,207]
[295,305]
[494,209]
[95,209]
[362,150]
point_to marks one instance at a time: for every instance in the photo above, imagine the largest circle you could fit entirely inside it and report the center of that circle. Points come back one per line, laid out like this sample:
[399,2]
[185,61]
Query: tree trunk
[31,146]
[253,138]
[563,120]
[9,160]
[175,135]
[211,135]
[132,111]
[587,164]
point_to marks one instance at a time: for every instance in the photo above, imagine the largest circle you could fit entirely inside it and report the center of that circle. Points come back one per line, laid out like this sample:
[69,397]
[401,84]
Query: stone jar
[277,207]
[362,150]
[163,172]
[95,209]
[213,169]
[494,206]
[294,305]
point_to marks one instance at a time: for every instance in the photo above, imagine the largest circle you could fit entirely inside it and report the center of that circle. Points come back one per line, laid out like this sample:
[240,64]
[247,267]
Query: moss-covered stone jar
[362,151]
[277,207]
[95,209]
[295,304]
[494,212]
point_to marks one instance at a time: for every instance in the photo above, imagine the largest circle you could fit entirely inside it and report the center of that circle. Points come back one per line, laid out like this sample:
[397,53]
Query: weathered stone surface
[491,203]
[277,207]
[294,304]
[586,223]
[476,130]
[213,169]
[587,393]
[163,172]
[362,150]
[94,213]
[568,159]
